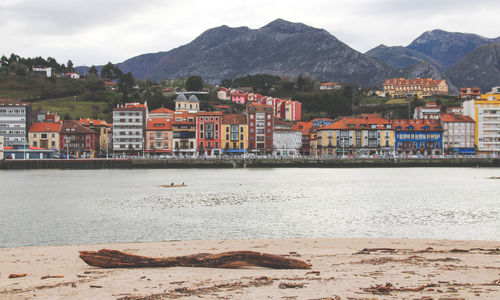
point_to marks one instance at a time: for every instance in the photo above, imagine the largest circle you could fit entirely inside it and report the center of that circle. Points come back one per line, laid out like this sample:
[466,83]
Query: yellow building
[234,134]
[368,134]
[45,135]
[420,87]
[102,129]
[486,113]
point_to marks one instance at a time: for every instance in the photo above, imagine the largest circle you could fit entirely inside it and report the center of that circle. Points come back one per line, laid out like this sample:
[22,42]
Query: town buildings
[182,103]
[470,93]
[431,111]
[184,133]
[486,113]
[101,128]
[418,137]
[45,135]
[234,134]
[260,128]
[458,134]
[420,87]
[368,134]
[15,119]
[208,131]
[77,140]
[306,130]
[129,127]
[159,136]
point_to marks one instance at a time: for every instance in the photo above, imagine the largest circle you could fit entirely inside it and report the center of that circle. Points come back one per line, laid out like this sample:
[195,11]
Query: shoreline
[247,163]
[340,267]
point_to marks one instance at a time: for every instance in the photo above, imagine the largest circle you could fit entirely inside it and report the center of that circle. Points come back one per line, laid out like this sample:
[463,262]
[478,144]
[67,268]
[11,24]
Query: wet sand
[341,269]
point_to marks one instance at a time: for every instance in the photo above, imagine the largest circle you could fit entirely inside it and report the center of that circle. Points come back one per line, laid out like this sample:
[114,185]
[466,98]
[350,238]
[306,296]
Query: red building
[293,110]
[208,132]
[260,128]
[470,93]
[75,139]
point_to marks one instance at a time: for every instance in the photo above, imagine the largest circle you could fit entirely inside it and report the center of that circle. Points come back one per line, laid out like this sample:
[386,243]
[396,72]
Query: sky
[97,31]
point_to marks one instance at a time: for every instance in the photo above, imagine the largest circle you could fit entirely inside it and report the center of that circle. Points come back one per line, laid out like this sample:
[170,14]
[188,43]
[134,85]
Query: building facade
[486,113]
[458,134]
[287,142]
[420,87]
[191,104]
[260,128]
[356,136]
[418,137]
[103,139]
[129,128]
[208,131]
[15,119]
[431,111]
[184,134]
[234,134]
[77,140]
[470,93]
[45,135]
[159,136]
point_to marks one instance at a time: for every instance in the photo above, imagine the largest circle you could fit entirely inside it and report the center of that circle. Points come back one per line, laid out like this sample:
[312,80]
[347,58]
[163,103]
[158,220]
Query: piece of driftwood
[107,258]
[17,275]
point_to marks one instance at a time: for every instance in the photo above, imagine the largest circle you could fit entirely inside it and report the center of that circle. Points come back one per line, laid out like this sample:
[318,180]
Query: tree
[93,70]
[194,83]
[69,65]
[4,61]
[227,83]
[110,71]
[126,84]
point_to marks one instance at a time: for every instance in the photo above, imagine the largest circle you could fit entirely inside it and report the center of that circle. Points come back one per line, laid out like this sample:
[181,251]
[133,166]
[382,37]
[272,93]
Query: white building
[458,134]
[431,111]
[46,70]
[15,117]
[129,128]
[72,75]
[287,142]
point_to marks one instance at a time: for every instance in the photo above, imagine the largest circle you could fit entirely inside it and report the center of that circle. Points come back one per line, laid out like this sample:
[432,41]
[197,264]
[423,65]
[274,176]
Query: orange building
[159,136]
[470,93]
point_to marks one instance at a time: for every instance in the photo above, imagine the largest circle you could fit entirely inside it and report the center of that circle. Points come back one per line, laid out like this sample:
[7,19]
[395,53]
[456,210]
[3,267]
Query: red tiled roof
[456,118]
[45,127]
[209,113]
[330,83]
[159,124]
[358,122]
[234,119]
[72,127]
[418,125]
[303,126]
[324,119]
[417,81]
[161,110]
[95,122]
[109,83]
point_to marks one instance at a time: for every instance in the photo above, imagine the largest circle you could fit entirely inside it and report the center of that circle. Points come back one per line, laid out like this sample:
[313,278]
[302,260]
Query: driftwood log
[106,258]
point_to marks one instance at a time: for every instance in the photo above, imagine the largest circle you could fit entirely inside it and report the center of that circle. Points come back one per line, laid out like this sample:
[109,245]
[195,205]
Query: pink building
[239,97]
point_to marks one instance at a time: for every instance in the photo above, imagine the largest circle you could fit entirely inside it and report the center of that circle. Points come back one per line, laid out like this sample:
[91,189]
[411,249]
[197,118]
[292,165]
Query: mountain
[480,68]
[279,48]
[401,57]
[448,47]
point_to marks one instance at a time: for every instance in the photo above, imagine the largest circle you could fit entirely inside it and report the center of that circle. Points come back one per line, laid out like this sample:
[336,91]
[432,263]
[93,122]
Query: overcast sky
[95,32]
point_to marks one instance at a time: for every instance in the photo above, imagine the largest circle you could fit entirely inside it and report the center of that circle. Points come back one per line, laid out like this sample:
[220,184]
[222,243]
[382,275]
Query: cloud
[95,32]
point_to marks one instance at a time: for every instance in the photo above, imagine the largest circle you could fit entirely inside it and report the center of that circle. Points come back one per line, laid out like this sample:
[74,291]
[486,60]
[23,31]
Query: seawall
[244,163]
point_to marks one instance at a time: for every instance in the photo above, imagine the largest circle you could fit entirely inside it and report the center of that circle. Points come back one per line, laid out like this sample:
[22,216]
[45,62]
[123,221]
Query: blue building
[24,151]
[418,137]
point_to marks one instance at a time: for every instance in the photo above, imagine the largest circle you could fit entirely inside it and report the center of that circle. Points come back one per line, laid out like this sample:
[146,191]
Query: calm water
[47,207]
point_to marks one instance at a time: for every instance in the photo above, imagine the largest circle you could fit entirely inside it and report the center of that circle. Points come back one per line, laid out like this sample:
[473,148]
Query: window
[269,117]
[209,145]
[209,131]
[216,144]
[234,132]
[251,117]
[201,126]
[201,145]
[241,128]
[34,144]
[241,145]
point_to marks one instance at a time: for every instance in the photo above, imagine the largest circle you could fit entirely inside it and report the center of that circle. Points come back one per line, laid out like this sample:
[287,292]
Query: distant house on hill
[72,75]
[330,86]
[110,85]
[43,70]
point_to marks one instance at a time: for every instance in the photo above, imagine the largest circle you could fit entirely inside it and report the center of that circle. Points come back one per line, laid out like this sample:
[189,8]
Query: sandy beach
[341,269]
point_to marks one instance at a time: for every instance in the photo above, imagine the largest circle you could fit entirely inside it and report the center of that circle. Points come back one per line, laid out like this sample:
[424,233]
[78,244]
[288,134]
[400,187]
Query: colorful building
[159,136]
[77,140]
[420,87]
[184,133]
[418,137]
[293,110]
[470,93]
[486,113]
[208,131]
[320,122]
[458,134]
[368,134]
[103,139]
[161,112]
[234,134]
[260,128]
[45,135]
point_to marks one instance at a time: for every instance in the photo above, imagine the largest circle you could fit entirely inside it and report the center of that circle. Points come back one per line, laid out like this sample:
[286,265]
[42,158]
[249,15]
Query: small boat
[173,185]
